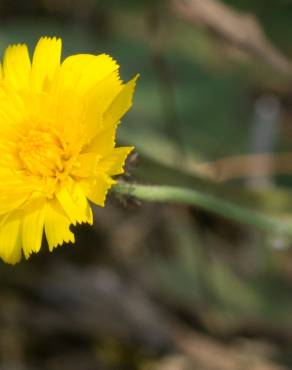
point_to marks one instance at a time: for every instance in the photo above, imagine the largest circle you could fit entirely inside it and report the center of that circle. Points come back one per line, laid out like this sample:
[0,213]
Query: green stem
[227,209]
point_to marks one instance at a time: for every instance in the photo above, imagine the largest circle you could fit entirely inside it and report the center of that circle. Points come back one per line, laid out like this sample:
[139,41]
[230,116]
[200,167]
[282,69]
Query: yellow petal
[46,60]
[121,104]
[84,71]
[57,225]
[74,203]
[15,191]
[33,227]
[98,100]
[17,67]
[113,164]
[104,142]
[86,165]
[97,189]
[10,238]
[9,203]
[12,109]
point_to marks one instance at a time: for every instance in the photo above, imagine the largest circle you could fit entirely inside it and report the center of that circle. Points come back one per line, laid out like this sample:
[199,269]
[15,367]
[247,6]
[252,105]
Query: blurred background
[159,286]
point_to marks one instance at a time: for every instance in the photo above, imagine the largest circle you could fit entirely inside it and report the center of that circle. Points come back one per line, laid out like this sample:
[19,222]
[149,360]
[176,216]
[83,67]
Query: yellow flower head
[57,143]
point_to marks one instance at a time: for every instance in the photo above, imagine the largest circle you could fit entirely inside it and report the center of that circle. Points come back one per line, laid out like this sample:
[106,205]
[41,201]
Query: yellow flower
[57,143]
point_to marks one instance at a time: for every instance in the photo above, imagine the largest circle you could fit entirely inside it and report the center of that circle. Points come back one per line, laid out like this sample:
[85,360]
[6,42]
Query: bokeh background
[160,286]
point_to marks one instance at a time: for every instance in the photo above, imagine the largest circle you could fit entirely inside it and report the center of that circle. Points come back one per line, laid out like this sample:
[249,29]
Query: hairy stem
[208,202]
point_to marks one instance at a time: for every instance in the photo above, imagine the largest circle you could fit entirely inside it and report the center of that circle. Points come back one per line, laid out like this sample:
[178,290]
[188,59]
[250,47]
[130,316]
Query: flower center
[42,153]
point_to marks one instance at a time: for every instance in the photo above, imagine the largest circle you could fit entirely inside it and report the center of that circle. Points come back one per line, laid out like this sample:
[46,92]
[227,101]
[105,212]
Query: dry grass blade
[245,166]
[239,29]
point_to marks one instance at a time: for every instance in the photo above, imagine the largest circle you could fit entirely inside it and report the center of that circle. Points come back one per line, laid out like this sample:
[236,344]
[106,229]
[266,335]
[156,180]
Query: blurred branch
[206,201]
[239,29]
[253,165]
